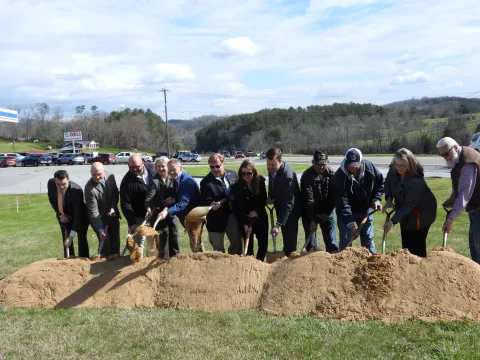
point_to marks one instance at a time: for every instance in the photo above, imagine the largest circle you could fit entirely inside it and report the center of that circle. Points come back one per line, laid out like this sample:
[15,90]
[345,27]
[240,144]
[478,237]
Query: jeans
[328,233]
[474,235]
[366,235]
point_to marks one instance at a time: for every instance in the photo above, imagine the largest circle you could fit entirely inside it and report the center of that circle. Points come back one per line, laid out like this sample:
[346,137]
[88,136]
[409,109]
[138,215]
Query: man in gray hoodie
[357,187]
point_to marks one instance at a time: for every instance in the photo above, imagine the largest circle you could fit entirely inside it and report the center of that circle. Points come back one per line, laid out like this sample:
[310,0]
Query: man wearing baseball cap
[318,203]
[357,187]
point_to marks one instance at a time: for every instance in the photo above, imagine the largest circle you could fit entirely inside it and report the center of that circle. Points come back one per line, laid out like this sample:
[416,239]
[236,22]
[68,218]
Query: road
[20,180]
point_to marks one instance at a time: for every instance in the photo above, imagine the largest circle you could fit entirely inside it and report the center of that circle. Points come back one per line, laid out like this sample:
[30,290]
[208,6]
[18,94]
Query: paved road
[20,180]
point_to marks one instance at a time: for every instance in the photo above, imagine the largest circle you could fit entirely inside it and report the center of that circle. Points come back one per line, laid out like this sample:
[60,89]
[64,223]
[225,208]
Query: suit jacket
[284,189]
[133,192]
[73,205]
[187,196]
[247,201]
[212,189]
[100,199]
[157,192]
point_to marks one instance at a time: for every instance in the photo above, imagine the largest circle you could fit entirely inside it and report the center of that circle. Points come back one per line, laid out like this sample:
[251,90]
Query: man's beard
[451,163]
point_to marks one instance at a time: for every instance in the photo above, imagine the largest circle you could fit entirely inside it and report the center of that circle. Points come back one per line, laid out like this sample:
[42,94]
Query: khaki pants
[234,236]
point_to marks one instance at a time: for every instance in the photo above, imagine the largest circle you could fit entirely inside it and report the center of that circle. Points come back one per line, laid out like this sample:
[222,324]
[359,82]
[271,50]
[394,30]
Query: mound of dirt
[352,285]
[209,281]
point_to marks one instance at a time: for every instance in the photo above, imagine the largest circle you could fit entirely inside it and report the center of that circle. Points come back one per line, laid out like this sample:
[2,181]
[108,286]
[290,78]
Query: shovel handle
[309,239]
[444,242]
[247,241]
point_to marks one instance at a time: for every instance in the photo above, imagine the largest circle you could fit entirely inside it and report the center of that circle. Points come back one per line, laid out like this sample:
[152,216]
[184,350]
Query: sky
[227,57]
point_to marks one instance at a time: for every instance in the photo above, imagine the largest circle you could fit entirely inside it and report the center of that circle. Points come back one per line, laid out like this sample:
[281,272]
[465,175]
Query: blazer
[284,189]
[212,189]
[187,196]
[247,201]
[73,205]
[133,192]
[157,192]
[100,198]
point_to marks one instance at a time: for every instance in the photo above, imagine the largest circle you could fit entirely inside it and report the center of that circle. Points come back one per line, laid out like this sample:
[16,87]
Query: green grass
[203,170]
[6,146]
[33,234]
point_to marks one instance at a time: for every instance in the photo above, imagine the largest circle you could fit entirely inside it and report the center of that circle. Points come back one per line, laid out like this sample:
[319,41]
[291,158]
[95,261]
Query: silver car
[70,159]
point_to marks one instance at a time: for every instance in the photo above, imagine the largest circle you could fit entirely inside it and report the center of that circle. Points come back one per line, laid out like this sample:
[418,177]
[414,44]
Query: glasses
[401,166]
[134,167]
[215,166]
[249,173]
[445,154]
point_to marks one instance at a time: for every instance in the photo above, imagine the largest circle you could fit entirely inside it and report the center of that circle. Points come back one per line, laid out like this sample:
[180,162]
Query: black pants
[289,234]
[81,236]
[168,240]
[415,241]
[260,230]
[112,245]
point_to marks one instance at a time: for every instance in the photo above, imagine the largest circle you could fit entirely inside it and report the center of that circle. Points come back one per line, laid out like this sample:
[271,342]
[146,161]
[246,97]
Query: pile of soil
[352,285]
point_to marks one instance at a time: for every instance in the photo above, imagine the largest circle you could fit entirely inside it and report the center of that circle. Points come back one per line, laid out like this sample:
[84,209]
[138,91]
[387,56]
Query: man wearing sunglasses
[216,191]
[318,203]
[464,162]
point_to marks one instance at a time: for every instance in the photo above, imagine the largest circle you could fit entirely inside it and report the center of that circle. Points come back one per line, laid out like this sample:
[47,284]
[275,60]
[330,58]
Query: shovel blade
[274,256]
[198,214]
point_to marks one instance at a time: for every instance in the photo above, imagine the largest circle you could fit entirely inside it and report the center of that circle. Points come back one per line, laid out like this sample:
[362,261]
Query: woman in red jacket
[250,197]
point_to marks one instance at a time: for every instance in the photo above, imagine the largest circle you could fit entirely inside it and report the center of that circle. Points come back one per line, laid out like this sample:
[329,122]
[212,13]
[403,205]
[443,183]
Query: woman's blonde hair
[413,166]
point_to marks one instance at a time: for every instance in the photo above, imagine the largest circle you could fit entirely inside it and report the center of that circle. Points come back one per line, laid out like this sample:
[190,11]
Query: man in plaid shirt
[464,162]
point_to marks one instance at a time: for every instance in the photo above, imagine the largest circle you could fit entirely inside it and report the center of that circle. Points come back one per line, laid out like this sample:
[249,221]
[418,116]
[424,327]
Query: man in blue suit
[187,197]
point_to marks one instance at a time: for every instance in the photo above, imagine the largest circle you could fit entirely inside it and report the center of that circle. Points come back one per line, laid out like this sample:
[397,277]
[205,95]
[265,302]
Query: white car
[475,142]
[146,158]
[122,157]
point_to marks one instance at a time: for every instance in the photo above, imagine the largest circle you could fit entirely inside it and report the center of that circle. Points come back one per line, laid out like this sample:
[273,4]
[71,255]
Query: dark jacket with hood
[415,204]
[355,194]
[317,194]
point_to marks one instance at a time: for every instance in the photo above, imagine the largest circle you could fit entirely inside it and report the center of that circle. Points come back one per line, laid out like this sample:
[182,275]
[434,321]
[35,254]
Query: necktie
[60,201]
[175,184]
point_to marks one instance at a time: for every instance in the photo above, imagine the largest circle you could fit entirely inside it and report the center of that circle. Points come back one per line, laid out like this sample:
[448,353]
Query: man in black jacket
[316,188]
[66,199]
[283,191]
[215,187]
[133,192]
[357,187]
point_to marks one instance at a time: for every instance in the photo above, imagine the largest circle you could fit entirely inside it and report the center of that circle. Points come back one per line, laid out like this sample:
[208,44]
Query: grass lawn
[33,234]
[203,170]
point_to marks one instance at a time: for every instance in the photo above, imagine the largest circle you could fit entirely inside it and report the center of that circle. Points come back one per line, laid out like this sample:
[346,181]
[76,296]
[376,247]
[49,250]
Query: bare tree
[41,114]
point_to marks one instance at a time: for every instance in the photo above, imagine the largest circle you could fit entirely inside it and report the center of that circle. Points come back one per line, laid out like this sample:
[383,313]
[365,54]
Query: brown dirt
[352,285]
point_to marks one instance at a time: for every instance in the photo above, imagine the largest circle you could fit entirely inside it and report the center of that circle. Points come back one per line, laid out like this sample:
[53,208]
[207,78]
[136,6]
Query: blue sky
[235,56]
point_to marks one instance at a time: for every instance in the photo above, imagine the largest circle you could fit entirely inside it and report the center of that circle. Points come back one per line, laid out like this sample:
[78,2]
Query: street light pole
[166,119]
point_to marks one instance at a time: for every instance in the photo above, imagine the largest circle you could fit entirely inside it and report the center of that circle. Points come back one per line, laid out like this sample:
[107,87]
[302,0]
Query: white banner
[8,115]
[72,136]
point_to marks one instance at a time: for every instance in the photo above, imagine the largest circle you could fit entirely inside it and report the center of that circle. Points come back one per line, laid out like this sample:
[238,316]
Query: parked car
[251,154]
[226,154]
[8,161]
[158,154]
[70,159]
[55,156]
[37,159]
[183,156]
[17,156]
[105,158]
[239,154]
[196,158]
[475,142]
[122,157]
[89,156]
[263,155]
[146,158]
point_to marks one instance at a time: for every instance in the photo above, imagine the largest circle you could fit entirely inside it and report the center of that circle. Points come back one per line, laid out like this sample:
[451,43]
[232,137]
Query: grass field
[33,235]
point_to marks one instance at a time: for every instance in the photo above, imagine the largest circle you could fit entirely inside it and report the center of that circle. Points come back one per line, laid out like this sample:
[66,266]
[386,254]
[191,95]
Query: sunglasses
[215,166]
[445,154]
[247,173]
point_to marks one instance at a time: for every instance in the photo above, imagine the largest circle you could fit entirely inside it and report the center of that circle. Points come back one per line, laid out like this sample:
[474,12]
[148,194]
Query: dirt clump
[351,285]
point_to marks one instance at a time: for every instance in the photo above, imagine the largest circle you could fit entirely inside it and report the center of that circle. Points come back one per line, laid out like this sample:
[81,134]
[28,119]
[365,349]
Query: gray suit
[100,198]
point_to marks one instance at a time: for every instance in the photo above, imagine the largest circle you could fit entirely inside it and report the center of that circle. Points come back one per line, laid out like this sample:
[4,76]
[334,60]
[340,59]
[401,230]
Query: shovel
[309,240]
[384,238]
[126,244]
[445,233]
[102,242]
[198,214]
[67,248]
[247,240]
[360,227]
[275,255]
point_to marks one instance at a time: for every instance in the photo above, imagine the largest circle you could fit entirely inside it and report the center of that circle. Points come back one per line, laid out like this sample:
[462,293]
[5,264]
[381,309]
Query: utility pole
[166,119]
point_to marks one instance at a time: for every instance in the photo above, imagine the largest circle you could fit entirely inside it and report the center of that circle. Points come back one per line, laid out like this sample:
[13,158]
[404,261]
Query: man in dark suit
[101,197]
[283,191]
[187,197]
[215,187]
[133,192]
[66,199]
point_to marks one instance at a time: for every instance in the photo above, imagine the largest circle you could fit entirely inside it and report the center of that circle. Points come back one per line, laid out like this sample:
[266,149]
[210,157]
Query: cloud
[172,72]
[405,58]
[222,102]
[412,78]
[238,46]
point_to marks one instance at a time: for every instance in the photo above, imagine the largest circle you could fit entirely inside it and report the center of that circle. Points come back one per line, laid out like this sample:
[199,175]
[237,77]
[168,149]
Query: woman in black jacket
[159,190]
[415,205]
[250,197]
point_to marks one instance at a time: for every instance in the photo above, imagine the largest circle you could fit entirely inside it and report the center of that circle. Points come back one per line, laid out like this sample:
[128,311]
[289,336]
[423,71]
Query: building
[80,145]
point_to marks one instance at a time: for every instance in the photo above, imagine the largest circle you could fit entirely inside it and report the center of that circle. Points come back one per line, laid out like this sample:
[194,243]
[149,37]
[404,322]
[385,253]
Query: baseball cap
[320,157]
[353,157]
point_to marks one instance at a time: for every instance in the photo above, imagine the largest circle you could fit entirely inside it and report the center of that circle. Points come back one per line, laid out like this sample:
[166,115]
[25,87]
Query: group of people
[237,201]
